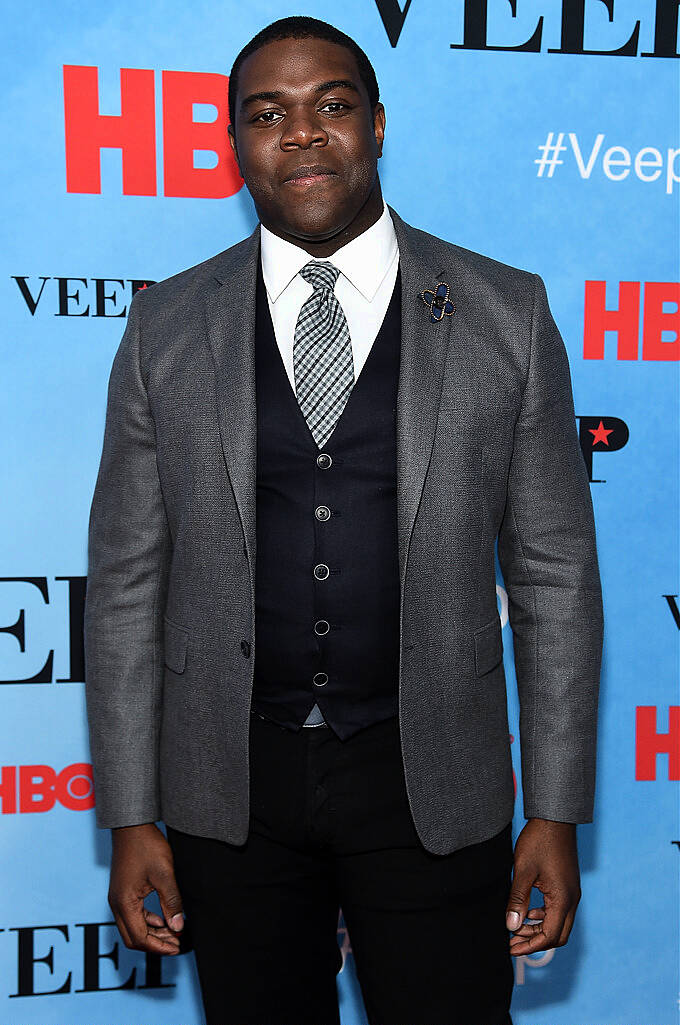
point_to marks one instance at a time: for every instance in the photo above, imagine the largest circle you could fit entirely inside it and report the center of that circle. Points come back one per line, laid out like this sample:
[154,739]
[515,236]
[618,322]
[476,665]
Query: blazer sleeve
[547,552]
[128,557]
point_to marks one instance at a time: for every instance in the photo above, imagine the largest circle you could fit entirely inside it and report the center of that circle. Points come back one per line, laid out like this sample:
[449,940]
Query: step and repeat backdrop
[539,132]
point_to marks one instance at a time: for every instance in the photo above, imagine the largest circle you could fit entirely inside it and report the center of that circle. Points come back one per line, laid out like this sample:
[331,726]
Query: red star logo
[143,286]
[601,434]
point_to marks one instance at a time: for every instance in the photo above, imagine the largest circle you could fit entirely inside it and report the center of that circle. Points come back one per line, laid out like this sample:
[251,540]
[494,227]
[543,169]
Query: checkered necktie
[322,353]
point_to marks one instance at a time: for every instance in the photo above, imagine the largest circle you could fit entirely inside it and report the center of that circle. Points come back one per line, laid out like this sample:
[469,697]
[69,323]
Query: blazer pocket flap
[176,640]
[488,646]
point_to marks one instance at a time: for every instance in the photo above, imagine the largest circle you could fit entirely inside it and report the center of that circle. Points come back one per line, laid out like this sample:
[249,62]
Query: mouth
[310,174]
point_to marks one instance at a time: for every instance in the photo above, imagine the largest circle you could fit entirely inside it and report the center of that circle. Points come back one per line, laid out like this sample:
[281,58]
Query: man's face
[305,138]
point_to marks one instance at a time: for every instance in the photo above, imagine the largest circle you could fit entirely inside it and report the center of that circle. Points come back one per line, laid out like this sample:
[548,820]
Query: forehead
[296,65]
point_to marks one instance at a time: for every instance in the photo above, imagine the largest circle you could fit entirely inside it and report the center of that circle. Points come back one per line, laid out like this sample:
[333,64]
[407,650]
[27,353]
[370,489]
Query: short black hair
[300,27]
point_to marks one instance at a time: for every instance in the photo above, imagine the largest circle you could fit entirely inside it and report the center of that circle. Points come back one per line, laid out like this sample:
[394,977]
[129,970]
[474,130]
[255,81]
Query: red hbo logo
[31,788]
[186,135]
[659,320]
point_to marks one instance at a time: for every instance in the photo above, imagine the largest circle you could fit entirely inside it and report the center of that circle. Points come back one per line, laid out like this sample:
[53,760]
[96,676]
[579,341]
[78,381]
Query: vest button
[323,460]
[321,571]
[245,648]
[322,512]
[321,627]
[320,679]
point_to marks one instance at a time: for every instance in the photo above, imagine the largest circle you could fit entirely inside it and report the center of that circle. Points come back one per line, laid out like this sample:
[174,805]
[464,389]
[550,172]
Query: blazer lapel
[230,314]
[423,356]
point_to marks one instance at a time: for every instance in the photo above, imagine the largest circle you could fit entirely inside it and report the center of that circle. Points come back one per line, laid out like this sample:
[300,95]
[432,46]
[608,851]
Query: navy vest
[327,569]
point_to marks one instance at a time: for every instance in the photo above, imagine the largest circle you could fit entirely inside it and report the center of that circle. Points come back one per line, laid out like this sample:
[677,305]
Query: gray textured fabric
[487,449]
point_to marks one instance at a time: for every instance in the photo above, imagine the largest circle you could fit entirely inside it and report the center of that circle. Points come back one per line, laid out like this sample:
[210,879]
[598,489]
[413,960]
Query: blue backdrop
[557,160]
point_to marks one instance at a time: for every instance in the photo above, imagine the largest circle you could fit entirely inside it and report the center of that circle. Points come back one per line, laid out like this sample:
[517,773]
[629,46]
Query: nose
[302,130]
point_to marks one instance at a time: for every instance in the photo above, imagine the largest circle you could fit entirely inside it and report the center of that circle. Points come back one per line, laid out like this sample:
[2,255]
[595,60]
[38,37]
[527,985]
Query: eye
[337,104]
[268,117]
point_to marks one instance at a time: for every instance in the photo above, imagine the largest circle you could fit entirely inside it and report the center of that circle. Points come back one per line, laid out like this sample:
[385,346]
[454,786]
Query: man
[294,655]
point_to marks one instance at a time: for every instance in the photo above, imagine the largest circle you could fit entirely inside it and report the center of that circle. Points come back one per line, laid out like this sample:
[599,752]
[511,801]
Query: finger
[155,926]
[162,932]
[543,936]
[171,940]
[132,914]
[567,927]
[525,930]
[160,944]
[518,901]
[536,913]
[152,918]
[129,919]
[531,944]
[153,945]
[123,930]
[555,916]
[140,936]
[171,901]
[155,940]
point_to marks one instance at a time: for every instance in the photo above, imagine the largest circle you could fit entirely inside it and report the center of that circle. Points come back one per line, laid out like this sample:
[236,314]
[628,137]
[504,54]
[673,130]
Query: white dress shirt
[368,270]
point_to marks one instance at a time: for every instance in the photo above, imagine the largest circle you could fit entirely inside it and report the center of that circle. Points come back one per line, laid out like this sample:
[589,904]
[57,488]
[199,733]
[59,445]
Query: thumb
[171,902]
[518,902]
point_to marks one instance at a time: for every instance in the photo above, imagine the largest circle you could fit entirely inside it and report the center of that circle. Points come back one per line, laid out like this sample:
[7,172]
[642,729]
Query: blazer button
[245,648]
[322,512]
[321,627]
[323,460]
[321,571]
[320,679]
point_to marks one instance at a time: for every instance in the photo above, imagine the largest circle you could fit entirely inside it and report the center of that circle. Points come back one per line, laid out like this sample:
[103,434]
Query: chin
[315,229]
[313,223]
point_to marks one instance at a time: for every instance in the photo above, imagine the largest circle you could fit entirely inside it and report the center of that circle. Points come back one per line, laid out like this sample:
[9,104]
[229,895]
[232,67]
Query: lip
[310,174]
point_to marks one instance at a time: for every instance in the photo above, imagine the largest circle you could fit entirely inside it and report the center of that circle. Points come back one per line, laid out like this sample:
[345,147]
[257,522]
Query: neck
[370,212]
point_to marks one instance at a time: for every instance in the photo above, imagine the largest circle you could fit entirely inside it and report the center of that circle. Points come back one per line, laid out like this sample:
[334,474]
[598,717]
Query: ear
[232,142]
[379,126]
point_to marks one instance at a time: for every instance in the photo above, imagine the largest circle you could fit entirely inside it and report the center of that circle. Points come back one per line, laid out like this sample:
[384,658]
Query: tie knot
[320,274]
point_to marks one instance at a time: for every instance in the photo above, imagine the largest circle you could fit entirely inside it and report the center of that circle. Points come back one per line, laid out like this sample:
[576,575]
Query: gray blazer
[487,449]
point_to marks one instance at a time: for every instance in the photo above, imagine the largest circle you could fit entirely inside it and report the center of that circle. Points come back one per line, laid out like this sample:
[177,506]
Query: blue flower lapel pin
[438,302]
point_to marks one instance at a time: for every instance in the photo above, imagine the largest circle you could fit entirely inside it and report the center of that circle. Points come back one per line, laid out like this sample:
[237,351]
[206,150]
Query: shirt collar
[364,261]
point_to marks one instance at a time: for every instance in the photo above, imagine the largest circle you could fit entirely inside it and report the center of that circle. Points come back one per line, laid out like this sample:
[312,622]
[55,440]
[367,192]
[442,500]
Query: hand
[142,862]
[545,857]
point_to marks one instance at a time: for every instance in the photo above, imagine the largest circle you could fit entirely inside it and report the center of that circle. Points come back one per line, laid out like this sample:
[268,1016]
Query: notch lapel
[230,315]
[424,348]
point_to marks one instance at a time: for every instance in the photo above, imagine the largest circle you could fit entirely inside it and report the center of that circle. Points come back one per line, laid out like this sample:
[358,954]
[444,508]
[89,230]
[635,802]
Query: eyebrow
[337,83]
[334,83]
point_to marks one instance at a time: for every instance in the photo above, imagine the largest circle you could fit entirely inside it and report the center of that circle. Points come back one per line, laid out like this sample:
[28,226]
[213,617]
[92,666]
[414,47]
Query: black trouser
[331,827]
